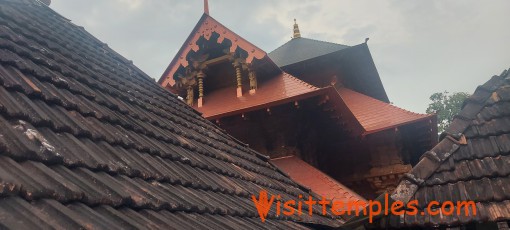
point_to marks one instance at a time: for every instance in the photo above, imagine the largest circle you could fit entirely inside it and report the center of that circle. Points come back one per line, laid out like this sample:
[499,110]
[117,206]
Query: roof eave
[268,104]
[425,118]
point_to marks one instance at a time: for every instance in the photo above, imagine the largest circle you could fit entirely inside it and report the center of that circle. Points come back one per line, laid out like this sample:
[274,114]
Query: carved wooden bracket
[253,81]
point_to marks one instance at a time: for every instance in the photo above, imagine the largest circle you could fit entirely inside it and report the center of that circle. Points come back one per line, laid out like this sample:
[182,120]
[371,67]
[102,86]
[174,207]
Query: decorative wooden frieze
[205,29]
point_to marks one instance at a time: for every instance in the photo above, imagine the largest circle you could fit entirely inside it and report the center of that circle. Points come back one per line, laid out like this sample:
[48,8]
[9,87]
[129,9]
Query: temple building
[307,104]
[89,141]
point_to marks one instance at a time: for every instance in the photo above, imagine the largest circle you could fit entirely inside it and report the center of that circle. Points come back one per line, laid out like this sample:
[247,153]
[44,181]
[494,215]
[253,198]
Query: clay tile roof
[89,141]
[375,115]
[301,49]
[280,89]
[470,163]
[316,180]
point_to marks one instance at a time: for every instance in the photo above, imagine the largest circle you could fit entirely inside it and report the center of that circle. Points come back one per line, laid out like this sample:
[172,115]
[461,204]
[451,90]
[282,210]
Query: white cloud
[130,4]
[419,47]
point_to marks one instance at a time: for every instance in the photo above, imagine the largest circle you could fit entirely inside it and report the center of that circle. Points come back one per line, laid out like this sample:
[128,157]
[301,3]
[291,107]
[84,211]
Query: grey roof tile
[475,170]
[300,49]
[87,140]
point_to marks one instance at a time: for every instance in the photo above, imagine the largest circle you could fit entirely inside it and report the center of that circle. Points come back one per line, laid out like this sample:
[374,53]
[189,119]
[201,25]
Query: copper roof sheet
[280,89]
[316,180]
[375,115]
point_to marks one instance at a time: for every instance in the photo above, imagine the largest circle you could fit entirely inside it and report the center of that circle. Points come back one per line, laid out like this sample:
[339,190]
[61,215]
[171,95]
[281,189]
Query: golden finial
[296,30]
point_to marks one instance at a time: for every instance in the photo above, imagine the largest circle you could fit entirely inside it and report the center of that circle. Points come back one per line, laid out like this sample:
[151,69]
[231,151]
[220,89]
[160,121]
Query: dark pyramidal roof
[470,163]
[300,49]
[87,140]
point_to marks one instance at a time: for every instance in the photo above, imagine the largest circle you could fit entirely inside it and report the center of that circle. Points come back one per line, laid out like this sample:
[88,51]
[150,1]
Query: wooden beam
[217,60]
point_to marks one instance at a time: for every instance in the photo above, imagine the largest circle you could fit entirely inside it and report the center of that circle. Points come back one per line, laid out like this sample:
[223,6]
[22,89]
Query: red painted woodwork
[205,27]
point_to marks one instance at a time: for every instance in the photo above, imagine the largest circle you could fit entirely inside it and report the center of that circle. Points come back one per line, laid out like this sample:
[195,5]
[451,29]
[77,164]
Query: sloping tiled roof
[316,180]
[371,114]
[282,88]
[375,115]
[89,141]
[470,163]
[300,49]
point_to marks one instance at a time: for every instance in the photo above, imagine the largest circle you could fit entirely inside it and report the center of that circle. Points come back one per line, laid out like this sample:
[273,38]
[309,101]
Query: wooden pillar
[189,97]
[188,82]
[200,77]
[253,81]
[239,79]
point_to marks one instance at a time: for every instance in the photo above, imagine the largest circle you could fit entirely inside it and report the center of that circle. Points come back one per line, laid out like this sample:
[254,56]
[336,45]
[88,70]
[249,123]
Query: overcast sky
[419,47]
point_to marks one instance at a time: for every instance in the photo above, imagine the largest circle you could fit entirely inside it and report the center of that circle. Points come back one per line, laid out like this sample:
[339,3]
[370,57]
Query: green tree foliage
[446,106]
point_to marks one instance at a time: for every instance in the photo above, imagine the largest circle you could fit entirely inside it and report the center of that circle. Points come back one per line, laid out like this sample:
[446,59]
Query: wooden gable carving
[205,28]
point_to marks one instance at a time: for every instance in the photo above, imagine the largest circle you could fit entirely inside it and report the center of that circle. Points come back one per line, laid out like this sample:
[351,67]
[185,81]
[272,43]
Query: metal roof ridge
[306,84]
[389,104]
[305,38]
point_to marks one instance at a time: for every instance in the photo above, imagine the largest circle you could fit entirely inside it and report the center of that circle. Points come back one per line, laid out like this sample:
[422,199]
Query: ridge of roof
[304,83]
[105,46]
[437,167]
[312,39]
[450,138]
[471,136]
